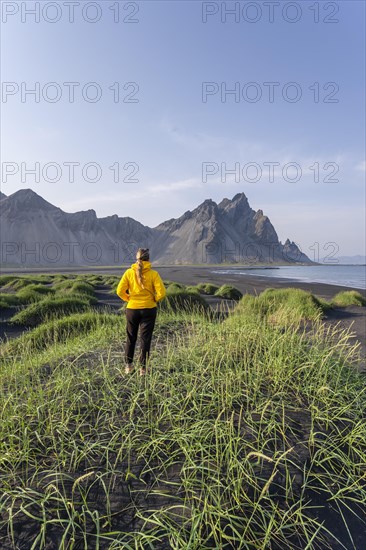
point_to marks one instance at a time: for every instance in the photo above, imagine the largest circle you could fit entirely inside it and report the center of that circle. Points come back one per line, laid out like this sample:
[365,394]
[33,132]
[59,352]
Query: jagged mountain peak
[209,208]
[29,199]
[202,213]
[25,194]
[207,205]
[208,202]
[207,234]
[90,213]
[239,202]
[239,197]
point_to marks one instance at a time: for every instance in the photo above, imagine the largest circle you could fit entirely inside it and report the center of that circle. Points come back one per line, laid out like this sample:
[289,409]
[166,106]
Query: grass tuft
[175,287]
[192,288]
[56,331]
[6,279]
[49,308]
[181,300]
[208,288]
[229,292]
[349,298]
[33,293]
[283,306]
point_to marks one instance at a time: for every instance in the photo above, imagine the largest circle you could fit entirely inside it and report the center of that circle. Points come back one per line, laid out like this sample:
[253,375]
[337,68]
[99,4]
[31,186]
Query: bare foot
[142,372]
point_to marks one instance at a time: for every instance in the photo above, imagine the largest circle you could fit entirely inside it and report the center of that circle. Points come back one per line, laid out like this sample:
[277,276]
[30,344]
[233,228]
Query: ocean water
[352,276]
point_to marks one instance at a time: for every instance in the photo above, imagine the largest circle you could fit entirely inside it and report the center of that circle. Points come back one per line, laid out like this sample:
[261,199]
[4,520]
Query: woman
[142,288]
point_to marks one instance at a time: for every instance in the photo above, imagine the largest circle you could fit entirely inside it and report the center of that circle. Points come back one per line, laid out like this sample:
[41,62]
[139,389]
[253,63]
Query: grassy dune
[248,432]
[349,298]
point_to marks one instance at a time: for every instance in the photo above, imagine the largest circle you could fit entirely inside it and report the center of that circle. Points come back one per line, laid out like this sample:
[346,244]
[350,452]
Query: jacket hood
[146,266]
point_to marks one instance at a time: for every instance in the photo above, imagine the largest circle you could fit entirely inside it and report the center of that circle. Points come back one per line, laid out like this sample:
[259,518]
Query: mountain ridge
[36,232]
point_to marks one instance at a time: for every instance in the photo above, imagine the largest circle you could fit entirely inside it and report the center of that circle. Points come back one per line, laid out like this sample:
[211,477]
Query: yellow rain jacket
[137,297]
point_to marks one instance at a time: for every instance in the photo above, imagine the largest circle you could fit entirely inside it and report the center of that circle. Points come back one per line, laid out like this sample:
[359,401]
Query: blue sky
[168,53]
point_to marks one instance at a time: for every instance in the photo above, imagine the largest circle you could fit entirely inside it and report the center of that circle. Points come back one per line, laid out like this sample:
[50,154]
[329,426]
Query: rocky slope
[35,232]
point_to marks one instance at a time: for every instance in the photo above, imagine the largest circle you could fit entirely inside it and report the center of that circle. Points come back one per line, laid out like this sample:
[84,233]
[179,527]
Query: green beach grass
[283,305]
[49,308]
[207,288]
[349,298]
[244,434]
[229,292]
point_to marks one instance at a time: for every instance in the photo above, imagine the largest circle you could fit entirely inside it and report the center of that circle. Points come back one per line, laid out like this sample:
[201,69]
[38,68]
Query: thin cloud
[361,166]
[198,140]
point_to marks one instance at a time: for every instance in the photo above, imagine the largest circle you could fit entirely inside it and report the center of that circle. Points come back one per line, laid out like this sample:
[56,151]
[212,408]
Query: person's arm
[123,287]
[159,288]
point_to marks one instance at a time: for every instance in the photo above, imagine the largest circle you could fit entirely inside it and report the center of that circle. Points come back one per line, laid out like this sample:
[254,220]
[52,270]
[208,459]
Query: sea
[351,276]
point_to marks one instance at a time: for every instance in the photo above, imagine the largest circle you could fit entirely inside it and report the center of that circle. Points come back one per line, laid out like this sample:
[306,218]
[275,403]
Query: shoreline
[350,317]
[193,275]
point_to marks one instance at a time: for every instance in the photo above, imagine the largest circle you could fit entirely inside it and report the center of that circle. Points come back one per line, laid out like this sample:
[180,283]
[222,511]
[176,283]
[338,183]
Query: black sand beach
[192,275]
[251,284]
[351,316]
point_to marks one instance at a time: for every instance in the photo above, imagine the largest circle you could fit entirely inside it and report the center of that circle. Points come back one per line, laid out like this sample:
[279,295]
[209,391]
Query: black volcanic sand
[193,275]
[355,316]
[251,284]
[351,316]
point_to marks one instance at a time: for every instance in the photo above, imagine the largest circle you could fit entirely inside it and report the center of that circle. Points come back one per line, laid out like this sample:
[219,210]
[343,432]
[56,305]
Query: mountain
[226,232]
[35,232]
[2,195]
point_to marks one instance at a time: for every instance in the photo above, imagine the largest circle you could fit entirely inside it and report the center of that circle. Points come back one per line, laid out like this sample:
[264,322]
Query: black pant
[145,320]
